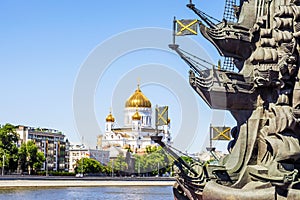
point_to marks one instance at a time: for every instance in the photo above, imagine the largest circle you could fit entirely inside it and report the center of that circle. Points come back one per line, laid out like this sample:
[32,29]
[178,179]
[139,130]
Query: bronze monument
[263,96]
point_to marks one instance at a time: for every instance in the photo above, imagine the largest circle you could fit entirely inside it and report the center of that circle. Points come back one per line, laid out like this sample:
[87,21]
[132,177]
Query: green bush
[55,173]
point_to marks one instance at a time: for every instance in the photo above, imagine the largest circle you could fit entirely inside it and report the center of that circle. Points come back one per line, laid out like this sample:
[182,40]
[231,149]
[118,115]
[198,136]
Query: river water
[103,193]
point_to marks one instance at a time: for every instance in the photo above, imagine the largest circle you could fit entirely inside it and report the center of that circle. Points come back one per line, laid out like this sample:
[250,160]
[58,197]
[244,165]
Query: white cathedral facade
[135,135]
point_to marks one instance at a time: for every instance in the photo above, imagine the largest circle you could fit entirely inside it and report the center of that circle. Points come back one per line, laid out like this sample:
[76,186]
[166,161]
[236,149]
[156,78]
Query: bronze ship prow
[262,94]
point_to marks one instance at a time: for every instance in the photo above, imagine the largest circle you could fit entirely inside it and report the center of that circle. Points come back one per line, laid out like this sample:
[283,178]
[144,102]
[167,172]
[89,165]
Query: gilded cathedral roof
[138,99]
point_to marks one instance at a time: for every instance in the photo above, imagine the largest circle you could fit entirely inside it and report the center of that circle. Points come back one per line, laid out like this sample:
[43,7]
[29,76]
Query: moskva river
[103,193]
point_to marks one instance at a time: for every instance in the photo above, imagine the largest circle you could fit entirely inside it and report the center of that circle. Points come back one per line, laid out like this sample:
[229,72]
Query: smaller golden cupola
[136,116]
[110,118]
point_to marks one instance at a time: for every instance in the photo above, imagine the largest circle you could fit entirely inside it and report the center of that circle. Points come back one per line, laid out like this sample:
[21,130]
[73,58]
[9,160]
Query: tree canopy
[30,158]
[8,146]
[88,165]
[155,162]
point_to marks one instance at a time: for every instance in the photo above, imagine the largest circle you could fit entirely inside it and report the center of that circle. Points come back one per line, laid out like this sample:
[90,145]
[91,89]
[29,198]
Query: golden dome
[138,99]
[136,116]
[110,118]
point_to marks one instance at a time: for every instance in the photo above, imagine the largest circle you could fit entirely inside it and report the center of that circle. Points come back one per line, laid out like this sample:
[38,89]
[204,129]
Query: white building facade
[49,141]
[78,151]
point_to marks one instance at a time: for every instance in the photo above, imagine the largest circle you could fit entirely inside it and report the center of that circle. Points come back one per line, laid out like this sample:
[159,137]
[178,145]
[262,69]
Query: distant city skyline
[44,45]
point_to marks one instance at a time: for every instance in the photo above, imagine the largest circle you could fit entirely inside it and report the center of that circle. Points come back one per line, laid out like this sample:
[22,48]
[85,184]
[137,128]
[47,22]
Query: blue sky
[44,44]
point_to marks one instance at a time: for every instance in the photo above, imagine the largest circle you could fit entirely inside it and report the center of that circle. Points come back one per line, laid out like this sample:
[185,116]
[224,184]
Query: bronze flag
[221,133]
[187,27]
[161,114]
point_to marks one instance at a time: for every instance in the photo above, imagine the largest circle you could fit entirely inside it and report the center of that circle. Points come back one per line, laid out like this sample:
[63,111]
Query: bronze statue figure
[264,98]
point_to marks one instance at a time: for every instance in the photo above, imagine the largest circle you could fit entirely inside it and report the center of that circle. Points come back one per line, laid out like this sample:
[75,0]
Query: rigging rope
[202,60]
[196,160]
[208,16]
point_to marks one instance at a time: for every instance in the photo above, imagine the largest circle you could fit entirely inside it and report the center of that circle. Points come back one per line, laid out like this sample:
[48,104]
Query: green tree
[8,147]
[30,158]
[88,165]
[151,149]
[154,162]
[140,163]
[107,169]
[118,165]
[40,159]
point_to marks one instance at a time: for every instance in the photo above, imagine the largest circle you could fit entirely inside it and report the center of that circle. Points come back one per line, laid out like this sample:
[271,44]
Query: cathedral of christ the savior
[135,135]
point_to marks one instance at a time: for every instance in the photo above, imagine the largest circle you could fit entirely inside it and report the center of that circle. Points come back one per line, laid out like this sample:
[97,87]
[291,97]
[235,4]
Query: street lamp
[3,164]
[82,157]
[158,169]
[139,168]
[47,160]
[112,168]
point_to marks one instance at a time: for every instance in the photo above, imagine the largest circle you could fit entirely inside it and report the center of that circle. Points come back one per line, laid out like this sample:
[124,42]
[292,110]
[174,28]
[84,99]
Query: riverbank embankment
[37,181]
